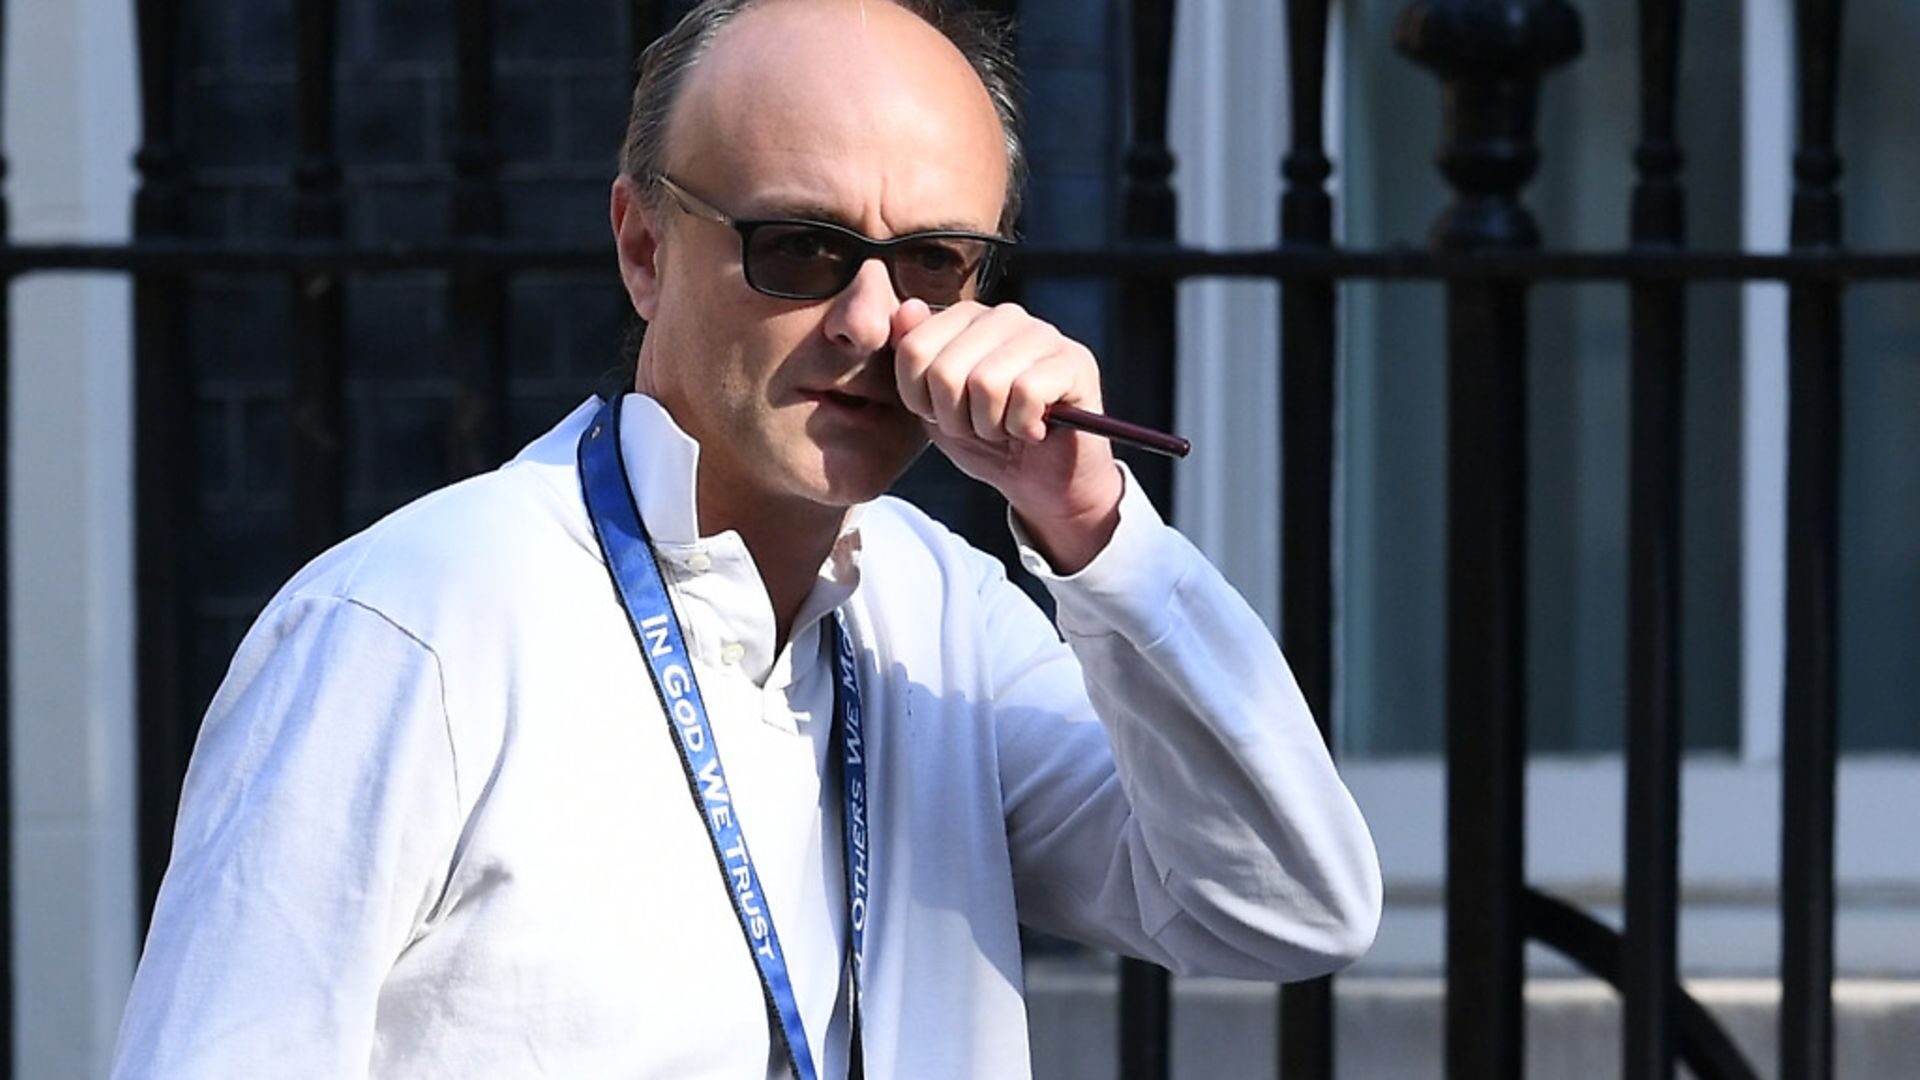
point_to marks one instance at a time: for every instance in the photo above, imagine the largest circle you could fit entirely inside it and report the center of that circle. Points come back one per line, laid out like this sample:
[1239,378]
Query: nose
[860,316]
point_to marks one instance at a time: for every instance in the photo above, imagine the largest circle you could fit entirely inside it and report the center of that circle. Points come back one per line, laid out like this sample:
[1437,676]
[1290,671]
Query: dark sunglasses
[795,259]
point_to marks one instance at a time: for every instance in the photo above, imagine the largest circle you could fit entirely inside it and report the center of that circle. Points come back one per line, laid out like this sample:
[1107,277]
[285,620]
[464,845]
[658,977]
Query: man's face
[860,115]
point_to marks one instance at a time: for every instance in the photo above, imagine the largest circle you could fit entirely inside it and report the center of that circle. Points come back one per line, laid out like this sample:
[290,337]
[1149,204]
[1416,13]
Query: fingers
[988,372]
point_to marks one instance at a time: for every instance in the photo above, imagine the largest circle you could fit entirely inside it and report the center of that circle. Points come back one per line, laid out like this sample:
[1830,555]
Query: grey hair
[985,41]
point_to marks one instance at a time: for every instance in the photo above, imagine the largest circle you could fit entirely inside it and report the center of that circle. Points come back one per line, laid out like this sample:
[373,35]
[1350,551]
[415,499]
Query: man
[477,800]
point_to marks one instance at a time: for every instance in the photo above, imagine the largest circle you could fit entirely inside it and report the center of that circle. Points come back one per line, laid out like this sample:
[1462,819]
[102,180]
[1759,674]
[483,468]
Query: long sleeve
[1167,792]
[316,825]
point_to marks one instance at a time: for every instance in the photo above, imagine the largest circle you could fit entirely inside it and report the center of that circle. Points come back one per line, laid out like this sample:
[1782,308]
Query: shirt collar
[662,461]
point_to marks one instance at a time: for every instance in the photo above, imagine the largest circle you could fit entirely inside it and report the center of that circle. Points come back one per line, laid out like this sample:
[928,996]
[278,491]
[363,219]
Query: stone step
[1390,1028]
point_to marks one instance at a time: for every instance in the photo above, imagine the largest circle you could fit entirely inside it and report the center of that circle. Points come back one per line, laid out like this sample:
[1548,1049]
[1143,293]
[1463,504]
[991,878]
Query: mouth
[849,400]
[842,399]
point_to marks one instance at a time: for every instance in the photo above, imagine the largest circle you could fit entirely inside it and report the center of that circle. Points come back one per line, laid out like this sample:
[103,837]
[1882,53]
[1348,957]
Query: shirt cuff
[1128,587]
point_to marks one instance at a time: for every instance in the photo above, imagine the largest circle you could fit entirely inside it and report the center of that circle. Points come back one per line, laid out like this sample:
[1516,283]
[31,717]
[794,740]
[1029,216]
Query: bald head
[857,62]
[796,91]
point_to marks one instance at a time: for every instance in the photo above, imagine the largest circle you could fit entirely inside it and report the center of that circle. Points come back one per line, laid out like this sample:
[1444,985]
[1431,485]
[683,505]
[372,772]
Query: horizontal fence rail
[1142,261]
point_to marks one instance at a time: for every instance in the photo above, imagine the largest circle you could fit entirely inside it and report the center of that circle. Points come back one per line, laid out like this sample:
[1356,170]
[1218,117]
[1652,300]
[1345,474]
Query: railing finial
[1491,55]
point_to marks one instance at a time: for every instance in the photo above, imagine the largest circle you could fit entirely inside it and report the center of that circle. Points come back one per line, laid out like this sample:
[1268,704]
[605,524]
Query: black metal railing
[6,627]
[1491,57]
[477,212]
[1809,733]
[1308,359]
[1144,378]
[163,394]
[1657,312]
[317,301]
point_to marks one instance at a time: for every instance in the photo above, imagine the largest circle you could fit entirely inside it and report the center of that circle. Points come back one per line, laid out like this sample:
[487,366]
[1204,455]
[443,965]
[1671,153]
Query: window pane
[1880,449]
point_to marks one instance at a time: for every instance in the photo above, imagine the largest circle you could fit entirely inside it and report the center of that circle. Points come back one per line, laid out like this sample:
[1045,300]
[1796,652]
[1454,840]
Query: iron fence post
[1141,384]
[1490,56]
[6,622]
[1308,459]
[1811,703]
[479,434]
[1649,980]
[166,502]
[317,454]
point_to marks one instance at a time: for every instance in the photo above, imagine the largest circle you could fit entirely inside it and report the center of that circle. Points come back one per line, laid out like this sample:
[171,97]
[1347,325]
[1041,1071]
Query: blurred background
[189,422]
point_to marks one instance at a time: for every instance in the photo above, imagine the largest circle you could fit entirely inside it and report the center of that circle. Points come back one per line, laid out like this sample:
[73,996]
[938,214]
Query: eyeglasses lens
[939,270]
[811,262]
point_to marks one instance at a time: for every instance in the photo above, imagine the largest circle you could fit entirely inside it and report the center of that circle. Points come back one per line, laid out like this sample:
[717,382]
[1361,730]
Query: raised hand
[981,379]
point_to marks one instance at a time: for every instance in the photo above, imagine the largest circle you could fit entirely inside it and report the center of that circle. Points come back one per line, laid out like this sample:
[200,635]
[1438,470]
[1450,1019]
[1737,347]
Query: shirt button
[732,653]
[699,562]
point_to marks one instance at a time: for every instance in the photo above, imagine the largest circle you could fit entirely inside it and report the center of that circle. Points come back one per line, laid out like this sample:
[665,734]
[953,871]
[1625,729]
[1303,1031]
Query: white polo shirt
[436,826]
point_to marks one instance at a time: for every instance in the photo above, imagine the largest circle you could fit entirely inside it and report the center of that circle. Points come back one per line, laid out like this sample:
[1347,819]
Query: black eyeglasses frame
[865,246]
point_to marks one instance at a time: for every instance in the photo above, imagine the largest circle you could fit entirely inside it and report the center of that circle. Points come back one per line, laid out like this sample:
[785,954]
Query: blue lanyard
[656,629]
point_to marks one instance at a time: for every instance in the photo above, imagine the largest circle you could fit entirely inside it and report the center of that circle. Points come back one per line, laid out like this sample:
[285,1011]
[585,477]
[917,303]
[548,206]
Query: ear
[636,235]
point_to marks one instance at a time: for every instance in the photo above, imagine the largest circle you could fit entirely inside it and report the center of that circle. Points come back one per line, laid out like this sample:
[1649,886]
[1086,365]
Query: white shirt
[435,824]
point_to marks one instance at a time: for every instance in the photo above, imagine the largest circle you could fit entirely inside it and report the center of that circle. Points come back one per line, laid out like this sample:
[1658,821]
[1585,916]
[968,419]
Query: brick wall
[561,93]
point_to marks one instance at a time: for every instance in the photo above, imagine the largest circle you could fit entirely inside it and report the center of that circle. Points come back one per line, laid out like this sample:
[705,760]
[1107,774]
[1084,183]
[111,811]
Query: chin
[864,479]
[857,469]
